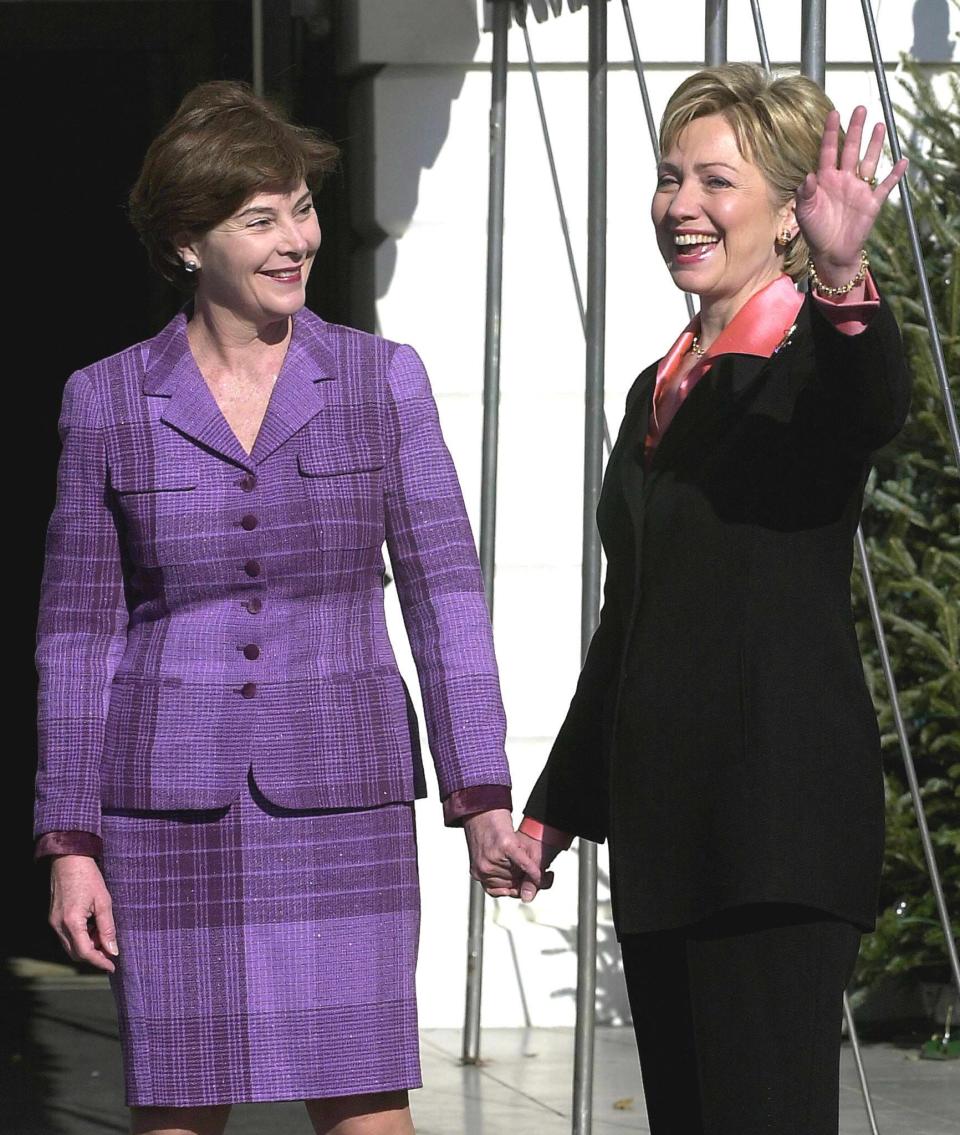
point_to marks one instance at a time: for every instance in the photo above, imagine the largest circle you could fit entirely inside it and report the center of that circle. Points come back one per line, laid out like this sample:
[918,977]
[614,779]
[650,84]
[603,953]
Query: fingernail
[112,949]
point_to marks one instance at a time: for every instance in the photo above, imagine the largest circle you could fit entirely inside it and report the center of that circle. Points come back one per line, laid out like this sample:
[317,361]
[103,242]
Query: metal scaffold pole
[893,138]
[592,477]
[647,108]
[813,40]
[256,38]
[715,39]
[491,425]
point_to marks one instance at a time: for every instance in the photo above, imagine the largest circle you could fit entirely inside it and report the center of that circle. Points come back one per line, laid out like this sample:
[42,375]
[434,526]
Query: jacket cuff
[68,843]
[477,798]
[852,317]
[546,834]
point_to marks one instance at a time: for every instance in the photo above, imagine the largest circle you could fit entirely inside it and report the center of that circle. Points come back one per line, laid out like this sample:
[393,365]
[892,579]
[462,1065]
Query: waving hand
[836,207]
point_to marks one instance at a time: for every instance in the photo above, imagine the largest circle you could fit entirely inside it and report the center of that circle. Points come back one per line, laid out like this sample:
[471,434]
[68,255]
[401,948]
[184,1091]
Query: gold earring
[786,236]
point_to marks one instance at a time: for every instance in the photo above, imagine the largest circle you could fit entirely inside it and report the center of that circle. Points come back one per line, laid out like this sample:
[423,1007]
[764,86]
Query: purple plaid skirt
[265,954]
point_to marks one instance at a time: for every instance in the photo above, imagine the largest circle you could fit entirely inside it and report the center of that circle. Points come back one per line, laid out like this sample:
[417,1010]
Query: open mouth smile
[691,248]
[284,275]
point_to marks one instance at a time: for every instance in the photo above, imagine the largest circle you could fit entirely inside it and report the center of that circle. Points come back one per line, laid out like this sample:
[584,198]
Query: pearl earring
[190,266]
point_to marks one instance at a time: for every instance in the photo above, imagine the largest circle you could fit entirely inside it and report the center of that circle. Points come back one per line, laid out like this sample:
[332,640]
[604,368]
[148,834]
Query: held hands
[509,864]
[836,208]
[81,912]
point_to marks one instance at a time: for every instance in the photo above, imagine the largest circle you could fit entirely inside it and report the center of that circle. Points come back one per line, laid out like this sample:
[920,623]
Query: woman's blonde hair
[776,120]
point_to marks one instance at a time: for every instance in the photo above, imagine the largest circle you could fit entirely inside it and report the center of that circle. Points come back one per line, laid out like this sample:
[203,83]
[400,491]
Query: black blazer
[721,733]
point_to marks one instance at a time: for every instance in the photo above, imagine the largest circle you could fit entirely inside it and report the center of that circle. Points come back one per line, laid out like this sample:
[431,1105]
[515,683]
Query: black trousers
[737,1021]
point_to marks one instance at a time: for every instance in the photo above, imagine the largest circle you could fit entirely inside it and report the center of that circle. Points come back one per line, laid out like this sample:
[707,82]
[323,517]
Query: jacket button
[252,568]
[251,651]
[248,482]
[254,605]
[248,690]
[248,522]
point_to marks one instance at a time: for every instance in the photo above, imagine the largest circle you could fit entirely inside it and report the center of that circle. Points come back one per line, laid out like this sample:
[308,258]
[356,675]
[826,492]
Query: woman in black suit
[721,734]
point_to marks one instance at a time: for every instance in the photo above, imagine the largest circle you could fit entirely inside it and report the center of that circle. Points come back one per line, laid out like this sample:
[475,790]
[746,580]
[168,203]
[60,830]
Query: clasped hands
[508,863]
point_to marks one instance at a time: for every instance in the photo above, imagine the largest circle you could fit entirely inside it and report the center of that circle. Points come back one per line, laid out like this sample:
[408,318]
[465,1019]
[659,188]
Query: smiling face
[716,219]
[255,264]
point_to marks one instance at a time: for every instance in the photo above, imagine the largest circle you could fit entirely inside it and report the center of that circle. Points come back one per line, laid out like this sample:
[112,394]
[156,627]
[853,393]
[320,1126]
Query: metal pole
[861,1071]
[761,35]
[590,594]
[893,138]
[256,33]
[715,41]
[813,40]
[641,78]
[647,109]
[908,764]
[521,17]
[488,482]
[531,63]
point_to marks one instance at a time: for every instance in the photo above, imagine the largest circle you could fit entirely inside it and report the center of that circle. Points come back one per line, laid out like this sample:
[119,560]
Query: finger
[83,947]
[528,890]
[850,155]
[64,939]
[885,188]
[105,932]
[503,893]
[830,142]
[871,159]
[523,861]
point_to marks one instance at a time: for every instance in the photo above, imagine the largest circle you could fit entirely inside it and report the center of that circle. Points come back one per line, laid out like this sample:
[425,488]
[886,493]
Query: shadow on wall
[613,1006]
[399,120]
[931,31]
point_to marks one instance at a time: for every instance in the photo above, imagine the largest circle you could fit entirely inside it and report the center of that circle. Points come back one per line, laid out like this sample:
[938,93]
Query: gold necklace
[696,348]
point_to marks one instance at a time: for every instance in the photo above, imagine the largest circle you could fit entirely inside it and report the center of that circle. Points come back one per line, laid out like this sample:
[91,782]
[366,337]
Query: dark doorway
[85,86]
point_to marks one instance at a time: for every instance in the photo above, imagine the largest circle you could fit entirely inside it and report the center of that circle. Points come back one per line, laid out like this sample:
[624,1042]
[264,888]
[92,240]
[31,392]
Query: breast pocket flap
[320,463]
[147,477]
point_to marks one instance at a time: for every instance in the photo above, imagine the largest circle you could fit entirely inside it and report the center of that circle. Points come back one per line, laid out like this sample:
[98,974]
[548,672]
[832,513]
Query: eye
[306,209]
[666,180]
[258,223]
[715,181]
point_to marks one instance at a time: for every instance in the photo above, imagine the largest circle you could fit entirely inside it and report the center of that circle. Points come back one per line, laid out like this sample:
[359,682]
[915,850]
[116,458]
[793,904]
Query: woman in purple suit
[228,754]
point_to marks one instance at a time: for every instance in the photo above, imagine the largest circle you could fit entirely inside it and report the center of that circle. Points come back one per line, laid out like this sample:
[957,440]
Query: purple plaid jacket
[205,611]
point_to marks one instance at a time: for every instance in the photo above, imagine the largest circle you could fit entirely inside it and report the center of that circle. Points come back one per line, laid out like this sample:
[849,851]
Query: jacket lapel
[630,443]
[302,385]
[170,372]
[708,407]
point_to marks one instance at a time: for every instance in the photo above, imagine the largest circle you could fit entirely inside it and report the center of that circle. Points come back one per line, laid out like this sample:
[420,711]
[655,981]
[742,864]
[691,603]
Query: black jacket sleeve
[864,376]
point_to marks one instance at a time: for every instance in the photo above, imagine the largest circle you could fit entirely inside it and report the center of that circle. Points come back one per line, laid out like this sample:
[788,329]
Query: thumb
[807,188]
[106,931]
[527,864]
[528,890]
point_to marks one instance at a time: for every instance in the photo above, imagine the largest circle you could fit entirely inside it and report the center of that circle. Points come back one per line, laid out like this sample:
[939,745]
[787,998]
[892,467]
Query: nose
[293,240]
[685,202]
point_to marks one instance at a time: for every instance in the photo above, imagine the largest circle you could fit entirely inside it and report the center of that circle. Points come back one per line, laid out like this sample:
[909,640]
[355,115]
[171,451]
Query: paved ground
[61,1076]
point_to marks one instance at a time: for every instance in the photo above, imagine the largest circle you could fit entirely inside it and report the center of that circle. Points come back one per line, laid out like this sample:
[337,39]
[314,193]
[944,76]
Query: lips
[691,248]
[283,275]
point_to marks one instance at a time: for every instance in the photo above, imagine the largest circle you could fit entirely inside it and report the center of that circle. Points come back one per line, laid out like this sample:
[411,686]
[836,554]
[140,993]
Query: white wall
[428,140]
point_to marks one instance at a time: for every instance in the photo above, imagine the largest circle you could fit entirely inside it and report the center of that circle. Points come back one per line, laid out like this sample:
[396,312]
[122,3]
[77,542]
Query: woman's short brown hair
[777,121]
[223,145]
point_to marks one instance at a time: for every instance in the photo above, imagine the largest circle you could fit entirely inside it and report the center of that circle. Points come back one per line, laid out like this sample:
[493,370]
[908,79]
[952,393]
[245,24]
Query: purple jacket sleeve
[69,843]
[440,588]
[82,626]
[458,806]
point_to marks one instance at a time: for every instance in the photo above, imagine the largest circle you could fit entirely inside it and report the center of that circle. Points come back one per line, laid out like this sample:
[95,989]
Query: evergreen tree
[912,526]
